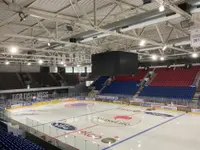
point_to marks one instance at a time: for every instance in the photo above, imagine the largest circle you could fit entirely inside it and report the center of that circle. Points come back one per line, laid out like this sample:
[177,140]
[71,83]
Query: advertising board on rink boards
[169,107]
[145,105]
[196,110]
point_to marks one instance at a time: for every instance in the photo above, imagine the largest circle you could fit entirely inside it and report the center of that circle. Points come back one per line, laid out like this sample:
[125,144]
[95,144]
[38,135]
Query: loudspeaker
[146,1]
[73,40]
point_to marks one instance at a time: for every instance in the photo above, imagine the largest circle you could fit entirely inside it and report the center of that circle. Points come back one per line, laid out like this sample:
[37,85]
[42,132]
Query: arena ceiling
[67,32]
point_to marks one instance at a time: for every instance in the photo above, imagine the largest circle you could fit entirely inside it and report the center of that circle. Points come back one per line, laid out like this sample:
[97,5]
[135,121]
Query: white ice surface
[181,133]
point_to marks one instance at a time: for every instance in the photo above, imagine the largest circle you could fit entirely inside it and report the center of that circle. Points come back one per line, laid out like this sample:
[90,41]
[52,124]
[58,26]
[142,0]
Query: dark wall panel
[44,70]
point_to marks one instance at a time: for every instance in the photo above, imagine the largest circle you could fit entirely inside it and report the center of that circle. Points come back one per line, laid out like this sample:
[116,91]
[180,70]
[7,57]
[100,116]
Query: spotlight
[162,58]
[154,57]
[13,50]
[49,44]
[40,61]
[78,65]
[28,64]
[61,62]
[162,8]
[142,42]
[194,55]
[7,62]
[65,65]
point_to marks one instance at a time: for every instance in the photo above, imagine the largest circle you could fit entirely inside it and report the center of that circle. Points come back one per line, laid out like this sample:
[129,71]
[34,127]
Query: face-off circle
[74,105]
[111,120]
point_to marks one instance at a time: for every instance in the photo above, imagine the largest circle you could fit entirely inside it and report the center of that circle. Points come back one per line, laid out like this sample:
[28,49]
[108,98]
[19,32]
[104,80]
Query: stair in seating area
[99,83]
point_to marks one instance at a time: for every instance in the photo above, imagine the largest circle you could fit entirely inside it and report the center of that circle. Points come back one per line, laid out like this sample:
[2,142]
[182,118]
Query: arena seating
[125,85]
[8,141]
[138,77]
[185,93]
[172,83]
[99,83]
[70,79]
[9,81]
[120,87]
[43,79]
[179,77]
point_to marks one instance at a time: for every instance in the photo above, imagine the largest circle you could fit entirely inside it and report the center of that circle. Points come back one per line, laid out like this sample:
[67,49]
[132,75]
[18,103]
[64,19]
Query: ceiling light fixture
[28,64]
[194,55]
[49,44]
[40,61]
[7,62]
[162,58]
[154,57]
[142,43]
[162,8]
[13,49]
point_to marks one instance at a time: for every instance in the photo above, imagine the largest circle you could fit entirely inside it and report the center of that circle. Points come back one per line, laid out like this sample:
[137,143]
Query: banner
[16,105]
[188,109]
[103,97]
[195,38]
[30,96]
[196,110]
[135,103]
[169,107]
[145,105]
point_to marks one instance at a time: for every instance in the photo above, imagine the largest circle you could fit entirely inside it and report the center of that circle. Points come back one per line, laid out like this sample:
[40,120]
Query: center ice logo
[111,120]
[74,105]
[123,117]
[63,126]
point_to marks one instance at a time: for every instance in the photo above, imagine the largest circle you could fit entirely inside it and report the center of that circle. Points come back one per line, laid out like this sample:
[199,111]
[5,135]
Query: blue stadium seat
[121,87]
[10,142]
[185,93]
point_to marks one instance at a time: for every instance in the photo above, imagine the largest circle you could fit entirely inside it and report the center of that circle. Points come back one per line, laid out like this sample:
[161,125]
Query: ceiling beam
[42,39]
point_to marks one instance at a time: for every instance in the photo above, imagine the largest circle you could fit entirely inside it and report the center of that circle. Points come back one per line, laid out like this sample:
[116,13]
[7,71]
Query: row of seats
[10,142]
[176,78]
[185,93]
[121,87]
[137,77]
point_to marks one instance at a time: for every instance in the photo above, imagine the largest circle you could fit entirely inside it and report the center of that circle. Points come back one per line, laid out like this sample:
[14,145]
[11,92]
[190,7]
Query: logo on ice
[123,117]
[111,120]
[63,126]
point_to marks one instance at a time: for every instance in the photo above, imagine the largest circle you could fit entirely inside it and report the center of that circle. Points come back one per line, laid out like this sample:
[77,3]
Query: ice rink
[89,125]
